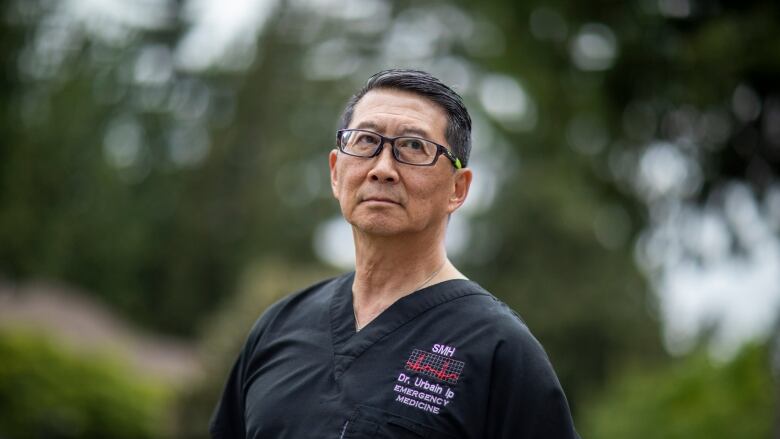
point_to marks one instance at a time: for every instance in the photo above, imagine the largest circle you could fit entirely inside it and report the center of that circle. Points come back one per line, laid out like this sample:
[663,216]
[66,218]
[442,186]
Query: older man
[405,346]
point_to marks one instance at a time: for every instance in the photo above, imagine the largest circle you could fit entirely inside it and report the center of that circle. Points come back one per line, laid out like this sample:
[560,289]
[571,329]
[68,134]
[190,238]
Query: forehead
[394,111]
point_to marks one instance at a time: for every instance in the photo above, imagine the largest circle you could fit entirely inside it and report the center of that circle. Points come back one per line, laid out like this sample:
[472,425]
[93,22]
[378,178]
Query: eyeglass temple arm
[455,161]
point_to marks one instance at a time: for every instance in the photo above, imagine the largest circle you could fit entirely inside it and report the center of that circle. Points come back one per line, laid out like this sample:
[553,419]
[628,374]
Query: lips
[380,200]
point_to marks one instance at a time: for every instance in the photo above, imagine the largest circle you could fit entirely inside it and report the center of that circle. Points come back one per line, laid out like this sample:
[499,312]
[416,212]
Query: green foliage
[48,392]
[692,398]
[556,243]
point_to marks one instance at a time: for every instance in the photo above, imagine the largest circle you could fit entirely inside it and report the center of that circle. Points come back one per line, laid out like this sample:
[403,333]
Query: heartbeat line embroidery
[435,366]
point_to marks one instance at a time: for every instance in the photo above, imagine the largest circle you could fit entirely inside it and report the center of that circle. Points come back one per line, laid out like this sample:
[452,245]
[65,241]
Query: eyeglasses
[409,150]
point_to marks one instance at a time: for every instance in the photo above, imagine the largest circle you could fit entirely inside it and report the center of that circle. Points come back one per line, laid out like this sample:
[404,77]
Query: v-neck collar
[349,344]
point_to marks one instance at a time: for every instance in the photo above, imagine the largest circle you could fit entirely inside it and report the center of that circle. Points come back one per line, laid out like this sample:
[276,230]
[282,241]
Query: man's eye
[367,140]
[413,144]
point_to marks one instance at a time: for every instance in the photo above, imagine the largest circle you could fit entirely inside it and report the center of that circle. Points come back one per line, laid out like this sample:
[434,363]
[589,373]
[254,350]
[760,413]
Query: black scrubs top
[448,361]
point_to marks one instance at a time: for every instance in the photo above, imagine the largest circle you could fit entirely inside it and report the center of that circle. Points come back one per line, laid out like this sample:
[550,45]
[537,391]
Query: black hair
[458,132]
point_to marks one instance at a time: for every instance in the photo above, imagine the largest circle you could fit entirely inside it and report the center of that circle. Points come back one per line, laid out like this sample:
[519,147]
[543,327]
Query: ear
[334,177]
[460,189]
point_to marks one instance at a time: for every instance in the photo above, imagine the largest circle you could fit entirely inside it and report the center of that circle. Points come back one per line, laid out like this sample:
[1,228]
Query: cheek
[430,195]
[346,188]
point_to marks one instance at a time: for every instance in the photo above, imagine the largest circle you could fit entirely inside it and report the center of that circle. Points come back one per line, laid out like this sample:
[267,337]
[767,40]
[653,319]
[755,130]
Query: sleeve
[227,421]
[526,400]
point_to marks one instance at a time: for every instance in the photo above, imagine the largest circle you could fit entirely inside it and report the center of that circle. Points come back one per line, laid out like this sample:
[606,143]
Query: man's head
[387,170]
[458,131]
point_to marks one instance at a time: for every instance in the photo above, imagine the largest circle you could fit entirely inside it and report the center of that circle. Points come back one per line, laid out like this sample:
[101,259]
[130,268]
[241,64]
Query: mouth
[380,200]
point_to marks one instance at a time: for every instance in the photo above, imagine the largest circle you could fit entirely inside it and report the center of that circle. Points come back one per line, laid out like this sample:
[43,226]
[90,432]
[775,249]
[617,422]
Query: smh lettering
[443,350]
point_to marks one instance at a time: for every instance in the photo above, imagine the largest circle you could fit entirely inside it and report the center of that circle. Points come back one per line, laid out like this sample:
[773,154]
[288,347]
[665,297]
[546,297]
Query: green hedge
[693,398]
[50,392]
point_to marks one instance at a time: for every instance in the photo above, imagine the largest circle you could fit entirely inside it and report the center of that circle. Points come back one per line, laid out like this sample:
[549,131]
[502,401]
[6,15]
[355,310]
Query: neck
[390,267]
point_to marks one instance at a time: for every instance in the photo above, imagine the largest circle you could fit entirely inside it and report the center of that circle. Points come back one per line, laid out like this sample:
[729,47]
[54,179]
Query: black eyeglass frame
[440,149]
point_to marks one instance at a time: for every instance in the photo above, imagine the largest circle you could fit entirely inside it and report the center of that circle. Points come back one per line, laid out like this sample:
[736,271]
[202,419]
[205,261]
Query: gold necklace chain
[424,283]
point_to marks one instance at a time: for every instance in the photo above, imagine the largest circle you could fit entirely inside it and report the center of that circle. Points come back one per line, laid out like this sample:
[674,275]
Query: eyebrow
[406,131]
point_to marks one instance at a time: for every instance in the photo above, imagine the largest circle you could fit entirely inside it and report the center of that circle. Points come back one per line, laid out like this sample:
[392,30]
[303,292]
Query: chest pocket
[372,423]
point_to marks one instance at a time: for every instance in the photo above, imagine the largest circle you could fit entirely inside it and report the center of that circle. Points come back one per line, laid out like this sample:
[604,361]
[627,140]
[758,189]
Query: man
[406,346]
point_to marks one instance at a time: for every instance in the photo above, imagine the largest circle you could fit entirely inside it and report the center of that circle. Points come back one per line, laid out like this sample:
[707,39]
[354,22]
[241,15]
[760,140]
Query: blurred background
[163,178]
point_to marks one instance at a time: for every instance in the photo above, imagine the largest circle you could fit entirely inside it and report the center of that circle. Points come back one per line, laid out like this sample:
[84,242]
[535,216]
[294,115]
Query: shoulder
[502,327]
[304,304]
[478,306]
[311,296]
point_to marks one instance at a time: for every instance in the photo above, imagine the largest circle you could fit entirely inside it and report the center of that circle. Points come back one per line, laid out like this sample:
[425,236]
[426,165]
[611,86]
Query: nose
[384,166]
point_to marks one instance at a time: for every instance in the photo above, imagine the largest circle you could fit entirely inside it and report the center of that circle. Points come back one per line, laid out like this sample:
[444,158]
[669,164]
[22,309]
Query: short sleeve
[227,421]
[526,400]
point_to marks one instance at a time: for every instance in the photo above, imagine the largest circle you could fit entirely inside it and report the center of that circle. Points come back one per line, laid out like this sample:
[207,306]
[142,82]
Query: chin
[379,225]
[377,228]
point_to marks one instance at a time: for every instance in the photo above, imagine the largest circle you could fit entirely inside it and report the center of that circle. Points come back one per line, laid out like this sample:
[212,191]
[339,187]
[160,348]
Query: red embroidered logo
[435,366]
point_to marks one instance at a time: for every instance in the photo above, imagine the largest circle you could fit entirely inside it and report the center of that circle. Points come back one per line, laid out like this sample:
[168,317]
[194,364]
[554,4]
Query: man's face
[383,197]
